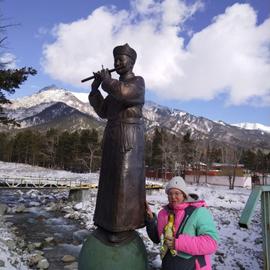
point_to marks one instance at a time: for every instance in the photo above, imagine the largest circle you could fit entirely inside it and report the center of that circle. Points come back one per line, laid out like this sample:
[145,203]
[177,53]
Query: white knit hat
[179,183]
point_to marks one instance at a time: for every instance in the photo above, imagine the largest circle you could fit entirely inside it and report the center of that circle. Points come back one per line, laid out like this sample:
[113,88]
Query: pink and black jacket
[195,240]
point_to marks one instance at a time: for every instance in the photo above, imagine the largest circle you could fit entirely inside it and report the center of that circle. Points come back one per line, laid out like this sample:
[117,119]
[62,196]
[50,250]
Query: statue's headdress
[125,49]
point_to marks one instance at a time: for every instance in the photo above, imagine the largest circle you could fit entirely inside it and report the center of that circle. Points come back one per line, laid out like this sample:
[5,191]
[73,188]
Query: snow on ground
[9,258]
[238,248]
[18,170]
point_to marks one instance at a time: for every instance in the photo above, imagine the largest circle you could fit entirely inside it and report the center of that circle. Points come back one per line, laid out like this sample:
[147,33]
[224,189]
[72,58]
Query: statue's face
[123,61]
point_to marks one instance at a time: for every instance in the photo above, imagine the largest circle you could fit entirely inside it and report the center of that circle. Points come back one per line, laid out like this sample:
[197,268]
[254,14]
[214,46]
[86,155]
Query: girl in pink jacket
[194,236]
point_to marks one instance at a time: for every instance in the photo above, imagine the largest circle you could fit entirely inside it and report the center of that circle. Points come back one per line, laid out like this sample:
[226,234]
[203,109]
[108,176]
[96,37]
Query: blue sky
[210,58]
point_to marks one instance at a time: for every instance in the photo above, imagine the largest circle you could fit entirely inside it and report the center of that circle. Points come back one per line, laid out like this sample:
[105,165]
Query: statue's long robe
[121,191]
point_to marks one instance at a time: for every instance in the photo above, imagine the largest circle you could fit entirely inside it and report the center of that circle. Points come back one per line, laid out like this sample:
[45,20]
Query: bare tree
[232,156]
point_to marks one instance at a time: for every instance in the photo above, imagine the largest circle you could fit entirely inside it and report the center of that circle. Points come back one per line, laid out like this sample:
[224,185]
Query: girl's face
[175,196]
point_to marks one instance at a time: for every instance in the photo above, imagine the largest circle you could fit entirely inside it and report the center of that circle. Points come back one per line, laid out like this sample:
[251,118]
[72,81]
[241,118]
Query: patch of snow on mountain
[149,113]
[21,113]
[220,122]
[150,116]
[81,96]
[48,96]
[178,113]
[253,126]
[150,104]
[208,126]
[199,127]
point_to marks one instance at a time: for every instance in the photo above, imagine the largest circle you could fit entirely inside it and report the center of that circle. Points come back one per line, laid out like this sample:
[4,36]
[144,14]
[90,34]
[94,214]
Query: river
[35,224]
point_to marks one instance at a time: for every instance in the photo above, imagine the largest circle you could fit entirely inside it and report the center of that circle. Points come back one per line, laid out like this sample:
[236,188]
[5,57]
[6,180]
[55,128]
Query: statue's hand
[97,81]
[104,74]
[100,76]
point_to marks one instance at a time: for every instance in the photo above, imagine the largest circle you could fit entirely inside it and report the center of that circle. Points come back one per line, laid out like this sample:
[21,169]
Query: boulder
[43,264]
[19,208]
[3,209]
[2,263]
[34,259]
[72,266]
[80,235]
[68,259]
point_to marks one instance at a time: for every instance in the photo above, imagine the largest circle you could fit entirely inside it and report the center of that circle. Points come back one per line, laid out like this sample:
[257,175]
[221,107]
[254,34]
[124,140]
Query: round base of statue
[98,253]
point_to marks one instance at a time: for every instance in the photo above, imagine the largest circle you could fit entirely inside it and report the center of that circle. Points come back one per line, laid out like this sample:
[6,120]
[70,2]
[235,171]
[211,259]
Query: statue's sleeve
[98,102]
[130,93]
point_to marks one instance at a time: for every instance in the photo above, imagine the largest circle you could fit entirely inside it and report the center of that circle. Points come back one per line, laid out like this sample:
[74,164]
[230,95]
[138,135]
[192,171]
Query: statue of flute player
[121,193]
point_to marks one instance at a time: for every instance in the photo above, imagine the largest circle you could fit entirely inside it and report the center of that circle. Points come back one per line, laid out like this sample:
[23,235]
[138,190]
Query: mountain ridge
[52,104]
[253,126]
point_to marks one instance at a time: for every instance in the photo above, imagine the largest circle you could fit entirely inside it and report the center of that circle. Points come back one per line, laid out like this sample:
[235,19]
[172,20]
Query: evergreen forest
[81,151]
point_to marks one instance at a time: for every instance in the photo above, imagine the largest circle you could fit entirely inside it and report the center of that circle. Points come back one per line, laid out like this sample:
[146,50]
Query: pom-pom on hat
[125,49]
[179,183]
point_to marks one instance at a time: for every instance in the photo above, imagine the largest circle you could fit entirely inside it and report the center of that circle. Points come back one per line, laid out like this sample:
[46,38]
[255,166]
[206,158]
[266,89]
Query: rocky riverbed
[39,230]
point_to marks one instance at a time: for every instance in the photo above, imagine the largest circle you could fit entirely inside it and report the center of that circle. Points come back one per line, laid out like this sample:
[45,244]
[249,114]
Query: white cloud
[8,60]
[229,56]
[42,31]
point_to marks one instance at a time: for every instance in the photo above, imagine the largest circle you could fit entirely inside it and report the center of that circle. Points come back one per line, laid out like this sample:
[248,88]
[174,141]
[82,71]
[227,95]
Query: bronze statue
[121,193]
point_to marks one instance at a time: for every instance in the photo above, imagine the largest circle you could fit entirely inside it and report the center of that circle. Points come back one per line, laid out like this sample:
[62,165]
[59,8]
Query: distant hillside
[62,109]
[253,126]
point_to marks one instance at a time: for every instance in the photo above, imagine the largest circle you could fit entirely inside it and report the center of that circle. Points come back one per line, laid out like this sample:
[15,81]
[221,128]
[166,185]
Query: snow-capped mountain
[176,121]
[180,122]
[36,103]
[62,109]
[253,126]
[53,107]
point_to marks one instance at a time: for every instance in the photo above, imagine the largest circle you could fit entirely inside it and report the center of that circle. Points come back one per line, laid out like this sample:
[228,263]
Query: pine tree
[6,146]
[64,150]
[262,164]
[51,140]
[10,80]
[248,158]
[156,149]
[188,151]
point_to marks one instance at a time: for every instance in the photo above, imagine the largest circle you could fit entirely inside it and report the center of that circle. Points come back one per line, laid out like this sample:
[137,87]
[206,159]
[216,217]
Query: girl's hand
[169,242]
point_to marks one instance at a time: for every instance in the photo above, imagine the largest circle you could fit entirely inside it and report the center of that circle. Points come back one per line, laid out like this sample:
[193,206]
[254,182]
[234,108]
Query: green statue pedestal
[99,254]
